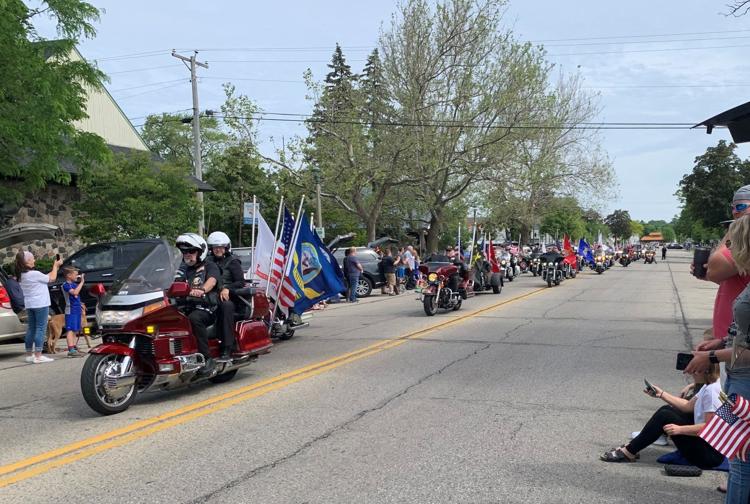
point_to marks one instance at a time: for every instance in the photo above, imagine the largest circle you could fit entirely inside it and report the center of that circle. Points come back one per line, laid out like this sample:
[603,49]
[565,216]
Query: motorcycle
[649,257]
[535,265]
[552,272]
[599,264]
[625,260]
[148,341]
[508,266]
[446,287]
[485,279]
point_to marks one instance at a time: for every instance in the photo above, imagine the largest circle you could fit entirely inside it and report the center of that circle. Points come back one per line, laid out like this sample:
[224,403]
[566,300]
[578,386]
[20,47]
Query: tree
[739,8]
[564,217]
[133,197]
[619,223]
[707,191]
[43,90]
[636,228]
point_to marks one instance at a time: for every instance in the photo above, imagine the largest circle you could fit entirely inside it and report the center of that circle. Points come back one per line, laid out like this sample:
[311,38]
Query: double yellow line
[44,462]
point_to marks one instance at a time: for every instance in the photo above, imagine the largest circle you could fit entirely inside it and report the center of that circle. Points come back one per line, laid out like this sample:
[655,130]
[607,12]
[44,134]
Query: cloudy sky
[667,62]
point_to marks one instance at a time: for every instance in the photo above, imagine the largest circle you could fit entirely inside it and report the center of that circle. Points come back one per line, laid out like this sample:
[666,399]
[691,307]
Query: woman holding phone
[35,287]
[682,420]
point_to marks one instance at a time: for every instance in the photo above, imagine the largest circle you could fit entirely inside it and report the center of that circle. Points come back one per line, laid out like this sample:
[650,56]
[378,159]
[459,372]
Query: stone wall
[52,205]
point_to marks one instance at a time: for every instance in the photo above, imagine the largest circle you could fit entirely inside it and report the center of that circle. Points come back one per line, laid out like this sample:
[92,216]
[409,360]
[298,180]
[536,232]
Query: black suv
[371,276]
[101,263]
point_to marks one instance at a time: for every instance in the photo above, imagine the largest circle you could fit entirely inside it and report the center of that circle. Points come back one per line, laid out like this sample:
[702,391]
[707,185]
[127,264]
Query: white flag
[544,248]
[260,271]
[599,240]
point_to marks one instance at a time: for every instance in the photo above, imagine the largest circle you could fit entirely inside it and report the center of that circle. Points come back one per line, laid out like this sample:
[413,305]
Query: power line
[146,85]
[648,41]
[643,36]
[142,69]
[652,50]
[181,81]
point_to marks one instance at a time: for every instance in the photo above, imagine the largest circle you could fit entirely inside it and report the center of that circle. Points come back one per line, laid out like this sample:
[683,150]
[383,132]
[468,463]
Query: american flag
[728,432]
[287,295]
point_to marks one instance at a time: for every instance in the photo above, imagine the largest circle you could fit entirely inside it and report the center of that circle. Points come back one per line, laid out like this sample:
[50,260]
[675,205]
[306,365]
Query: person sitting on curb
[682,420]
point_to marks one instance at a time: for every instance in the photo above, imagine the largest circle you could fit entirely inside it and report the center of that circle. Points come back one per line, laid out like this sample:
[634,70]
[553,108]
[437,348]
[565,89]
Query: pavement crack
[685,325]
[332,431]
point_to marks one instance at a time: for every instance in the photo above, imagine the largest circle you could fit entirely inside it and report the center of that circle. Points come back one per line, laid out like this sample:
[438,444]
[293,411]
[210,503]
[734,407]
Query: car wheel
[364,287]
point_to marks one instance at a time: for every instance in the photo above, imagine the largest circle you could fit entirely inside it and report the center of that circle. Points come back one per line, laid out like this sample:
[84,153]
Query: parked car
[674,246]
[101,263]
[245,255]
[371,276]
[11,327]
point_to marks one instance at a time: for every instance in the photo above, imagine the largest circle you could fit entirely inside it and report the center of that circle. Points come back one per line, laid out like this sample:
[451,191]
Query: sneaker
[74,353]
[42,359]
[29,359]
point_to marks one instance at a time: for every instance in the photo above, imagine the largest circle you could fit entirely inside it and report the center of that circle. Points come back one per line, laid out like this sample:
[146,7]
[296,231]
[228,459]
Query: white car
[11,326]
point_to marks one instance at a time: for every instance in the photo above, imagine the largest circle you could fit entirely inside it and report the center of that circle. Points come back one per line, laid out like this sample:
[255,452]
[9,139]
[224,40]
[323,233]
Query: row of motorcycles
[148,342]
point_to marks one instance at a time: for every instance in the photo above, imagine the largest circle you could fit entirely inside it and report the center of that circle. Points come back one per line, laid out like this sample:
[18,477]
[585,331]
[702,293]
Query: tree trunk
[372,224]
[433,234]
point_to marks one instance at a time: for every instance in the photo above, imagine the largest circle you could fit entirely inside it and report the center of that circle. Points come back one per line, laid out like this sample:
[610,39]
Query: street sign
[321,232]
[249,211]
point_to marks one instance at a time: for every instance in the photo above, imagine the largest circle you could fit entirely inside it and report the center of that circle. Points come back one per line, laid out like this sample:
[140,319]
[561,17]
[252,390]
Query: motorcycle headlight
[502,262]
[432,277]
[117,317]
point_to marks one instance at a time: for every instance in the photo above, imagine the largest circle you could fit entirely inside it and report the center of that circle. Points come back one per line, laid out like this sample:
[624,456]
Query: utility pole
[196,127]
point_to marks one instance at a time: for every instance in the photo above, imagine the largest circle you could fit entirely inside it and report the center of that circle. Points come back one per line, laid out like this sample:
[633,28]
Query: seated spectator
[682,420]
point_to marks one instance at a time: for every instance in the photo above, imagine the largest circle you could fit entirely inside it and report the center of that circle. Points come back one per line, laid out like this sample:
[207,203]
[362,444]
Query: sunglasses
[740,207]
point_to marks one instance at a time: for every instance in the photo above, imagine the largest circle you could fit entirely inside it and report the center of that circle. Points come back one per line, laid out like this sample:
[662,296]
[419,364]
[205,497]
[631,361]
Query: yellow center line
[143,428]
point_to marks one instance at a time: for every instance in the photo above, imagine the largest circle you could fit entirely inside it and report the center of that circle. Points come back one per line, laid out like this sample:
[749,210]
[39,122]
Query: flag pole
[275,241]
[252,235]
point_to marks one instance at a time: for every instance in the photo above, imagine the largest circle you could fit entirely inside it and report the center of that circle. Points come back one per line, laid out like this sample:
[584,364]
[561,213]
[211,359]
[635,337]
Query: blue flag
[584,249]
[315,273]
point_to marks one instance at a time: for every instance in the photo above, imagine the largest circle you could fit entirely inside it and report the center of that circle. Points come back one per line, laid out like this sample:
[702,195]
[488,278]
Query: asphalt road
[510,399]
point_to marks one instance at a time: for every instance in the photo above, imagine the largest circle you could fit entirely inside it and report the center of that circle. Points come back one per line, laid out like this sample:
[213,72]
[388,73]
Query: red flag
[569,253]
[492,259]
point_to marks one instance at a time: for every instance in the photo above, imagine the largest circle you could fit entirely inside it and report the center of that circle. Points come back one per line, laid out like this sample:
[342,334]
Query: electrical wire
[148,85]
[150,91]
[642,36]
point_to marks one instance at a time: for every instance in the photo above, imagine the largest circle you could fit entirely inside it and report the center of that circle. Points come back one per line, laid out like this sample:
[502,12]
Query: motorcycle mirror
[178,289]
[97,290]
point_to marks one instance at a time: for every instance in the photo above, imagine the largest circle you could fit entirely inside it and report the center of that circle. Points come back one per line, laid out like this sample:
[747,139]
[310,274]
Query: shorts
[390,279]
[73,322]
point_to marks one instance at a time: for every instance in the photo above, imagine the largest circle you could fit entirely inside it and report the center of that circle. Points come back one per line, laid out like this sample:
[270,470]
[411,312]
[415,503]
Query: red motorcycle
[147,339]
[447,285]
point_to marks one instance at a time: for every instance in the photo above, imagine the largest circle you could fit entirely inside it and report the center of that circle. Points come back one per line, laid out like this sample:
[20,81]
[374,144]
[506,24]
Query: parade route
[510,399]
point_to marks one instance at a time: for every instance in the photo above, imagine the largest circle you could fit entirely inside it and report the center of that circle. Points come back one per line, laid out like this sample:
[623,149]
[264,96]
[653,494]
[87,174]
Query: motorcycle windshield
[154,272]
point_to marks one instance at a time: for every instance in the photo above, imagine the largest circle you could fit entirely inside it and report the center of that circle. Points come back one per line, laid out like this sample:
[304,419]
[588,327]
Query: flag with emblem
[728,432]
[315,273]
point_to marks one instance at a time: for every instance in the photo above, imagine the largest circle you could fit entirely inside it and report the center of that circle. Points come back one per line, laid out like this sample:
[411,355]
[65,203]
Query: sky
[667,62]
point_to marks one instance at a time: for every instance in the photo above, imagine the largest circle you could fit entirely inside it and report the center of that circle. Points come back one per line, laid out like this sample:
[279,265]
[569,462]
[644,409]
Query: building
[55,203]
[655,237]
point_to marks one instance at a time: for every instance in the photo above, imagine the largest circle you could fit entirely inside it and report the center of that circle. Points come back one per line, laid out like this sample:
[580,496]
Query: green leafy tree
[133,197]
[707,191]
[564,217]
[170,136]
[636,228]
[619,223]
[43,91]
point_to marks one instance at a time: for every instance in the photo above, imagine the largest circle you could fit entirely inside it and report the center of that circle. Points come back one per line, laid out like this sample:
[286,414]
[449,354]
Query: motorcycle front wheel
[430,305]
[457,306]
[93,387]
[549,282]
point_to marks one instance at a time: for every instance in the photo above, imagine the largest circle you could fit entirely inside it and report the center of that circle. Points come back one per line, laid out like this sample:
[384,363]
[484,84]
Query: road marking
[73,452]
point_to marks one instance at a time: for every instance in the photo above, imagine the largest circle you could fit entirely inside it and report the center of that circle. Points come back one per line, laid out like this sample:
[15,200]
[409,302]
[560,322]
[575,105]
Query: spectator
[722,270]
[682,420]
[401,268]
[408,259]
[36,300]
[389,272]
[664,252]
[71,293]
[734,343]
[353,269]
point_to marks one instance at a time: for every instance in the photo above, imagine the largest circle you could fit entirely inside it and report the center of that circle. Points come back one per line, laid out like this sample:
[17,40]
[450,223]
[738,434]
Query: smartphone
[57,257]
[683,359]
[650,390]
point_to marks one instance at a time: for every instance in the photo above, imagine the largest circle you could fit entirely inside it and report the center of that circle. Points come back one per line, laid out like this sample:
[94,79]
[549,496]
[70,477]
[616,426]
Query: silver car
[11,326]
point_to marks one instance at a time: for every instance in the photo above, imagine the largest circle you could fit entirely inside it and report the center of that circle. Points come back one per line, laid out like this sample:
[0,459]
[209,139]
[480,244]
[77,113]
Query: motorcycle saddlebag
[253,337]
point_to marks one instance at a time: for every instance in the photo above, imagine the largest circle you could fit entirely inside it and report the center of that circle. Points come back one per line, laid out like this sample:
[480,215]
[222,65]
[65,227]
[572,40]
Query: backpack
[15,293]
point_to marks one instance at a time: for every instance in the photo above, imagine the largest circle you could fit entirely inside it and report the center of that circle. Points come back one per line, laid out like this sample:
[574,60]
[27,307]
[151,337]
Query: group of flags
[728,431]
[297,270]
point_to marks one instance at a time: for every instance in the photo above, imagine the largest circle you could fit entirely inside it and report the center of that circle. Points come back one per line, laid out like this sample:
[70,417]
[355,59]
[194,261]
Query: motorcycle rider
[552,255]
[204,279]
[232,277]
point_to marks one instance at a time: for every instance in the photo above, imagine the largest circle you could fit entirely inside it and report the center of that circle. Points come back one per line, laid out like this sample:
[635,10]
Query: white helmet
[192,241]
[220,239]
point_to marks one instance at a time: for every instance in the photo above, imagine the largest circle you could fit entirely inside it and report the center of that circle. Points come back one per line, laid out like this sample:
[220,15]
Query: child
[71,292]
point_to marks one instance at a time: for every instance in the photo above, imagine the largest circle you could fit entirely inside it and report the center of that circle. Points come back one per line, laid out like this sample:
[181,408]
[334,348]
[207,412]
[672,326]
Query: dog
[56,327]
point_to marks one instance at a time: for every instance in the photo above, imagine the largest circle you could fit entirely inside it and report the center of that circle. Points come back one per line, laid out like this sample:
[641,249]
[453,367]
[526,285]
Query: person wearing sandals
[681,419]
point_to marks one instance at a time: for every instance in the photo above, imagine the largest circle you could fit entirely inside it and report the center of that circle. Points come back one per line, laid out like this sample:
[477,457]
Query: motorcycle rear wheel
[92,386]
[549,282]
[496,289]
[430,305]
